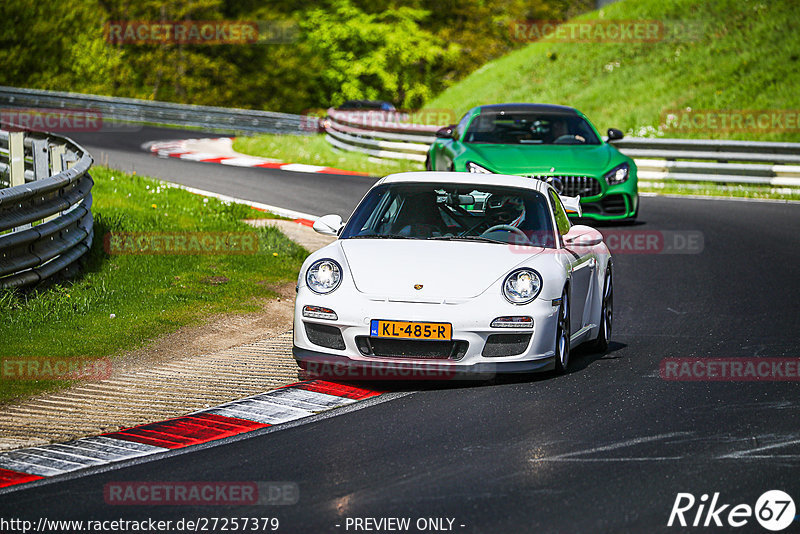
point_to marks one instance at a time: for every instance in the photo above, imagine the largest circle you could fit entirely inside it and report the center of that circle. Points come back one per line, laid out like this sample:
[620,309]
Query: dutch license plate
[405,329]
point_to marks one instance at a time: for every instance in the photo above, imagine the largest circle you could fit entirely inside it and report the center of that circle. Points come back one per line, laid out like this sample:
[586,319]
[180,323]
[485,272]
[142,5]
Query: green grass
[315,150]
[742,55]
[672,187]
[150,295]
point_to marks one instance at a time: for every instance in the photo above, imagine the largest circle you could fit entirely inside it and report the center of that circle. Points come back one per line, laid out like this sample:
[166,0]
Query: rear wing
[572,204]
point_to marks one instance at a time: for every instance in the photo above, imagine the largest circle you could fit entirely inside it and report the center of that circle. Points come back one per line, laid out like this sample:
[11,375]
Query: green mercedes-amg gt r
[557,144]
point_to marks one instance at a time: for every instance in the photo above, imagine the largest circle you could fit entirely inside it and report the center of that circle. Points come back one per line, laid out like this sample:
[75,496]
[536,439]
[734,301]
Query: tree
[384,56]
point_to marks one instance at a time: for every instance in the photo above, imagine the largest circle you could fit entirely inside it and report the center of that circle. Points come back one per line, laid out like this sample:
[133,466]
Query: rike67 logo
[774,510]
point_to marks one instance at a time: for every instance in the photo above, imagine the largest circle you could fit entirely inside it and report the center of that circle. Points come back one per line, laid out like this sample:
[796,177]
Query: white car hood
[447,270]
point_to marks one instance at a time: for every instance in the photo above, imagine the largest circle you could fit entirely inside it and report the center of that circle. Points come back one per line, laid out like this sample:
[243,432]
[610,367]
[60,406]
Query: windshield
[530,128]
[453,212]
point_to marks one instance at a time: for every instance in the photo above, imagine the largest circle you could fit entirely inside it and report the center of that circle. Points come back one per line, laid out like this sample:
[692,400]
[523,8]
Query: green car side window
[458,133]
[562,221]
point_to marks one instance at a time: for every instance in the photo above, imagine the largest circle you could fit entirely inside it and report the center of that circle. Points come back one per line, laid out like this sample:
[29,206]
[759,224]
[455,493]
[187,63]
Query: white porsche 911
[476,274]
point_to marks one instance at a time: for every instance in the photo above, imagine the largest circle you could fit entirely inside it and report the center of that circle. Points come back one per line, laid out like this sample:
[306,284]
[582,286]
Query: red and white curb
[282,405]
[182,149]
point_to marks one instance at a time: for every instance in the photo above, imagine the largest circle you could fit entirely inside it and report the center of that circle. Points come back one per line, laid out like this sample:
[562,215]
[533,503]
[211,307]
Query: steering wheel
[507,228]
[419,230]
[569,139]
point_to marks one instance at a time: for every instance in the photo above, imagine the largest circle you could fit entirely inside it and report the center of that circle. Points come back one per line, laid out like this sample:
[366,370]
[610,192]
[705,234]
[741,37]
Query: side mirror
[614,134]
[446,132]
[572,204]
[583,236]
[328,225]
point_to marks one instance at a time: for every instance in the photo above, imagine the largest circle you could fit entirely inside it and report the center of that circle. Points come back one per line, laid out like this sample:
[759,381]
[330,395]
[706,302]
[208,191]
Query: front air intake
[325,336]
[498,345]
[410,348]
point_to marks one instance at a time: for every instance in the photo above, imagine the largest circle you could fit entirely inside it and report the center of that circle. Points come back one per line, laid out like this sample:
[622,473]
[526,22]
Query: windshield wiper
[466,238]
[380,236]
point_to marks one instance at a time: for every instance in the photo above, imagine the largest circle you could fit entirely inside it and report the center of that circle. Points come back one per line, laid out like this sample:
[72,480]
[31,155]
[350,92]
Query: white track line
[283,212]
[569,456]
[733,199]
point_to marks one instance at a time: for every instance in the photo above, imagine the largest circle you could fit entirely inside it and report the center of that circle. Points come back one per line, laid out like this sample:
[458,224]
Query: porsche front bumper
[344,348]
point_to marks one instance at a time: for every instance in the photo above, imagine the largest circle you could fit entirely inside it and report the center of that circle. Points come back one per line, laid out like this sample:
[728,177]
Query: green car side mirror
[446,132]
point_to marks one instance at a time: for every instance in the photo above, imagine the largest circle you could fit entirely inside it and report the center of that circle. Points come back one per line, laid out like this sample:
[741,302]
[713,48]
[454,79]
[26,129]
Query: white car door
[582,264]
[583,267]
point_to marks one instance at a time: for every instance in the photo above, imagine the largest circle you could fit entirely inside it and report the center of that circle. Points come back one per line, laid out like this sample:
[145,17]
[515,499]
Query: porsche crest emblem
[417,286]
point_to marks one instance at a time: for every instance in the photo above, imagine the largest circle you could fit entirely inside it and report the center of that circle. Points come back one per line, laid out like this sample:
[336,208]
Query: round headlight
[323,276]
[522,286]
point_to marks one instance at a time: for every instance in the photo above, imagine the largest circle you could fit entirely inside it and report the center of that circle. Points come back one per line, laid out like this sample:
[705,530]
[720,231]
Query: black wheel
[562,335]
[606,314]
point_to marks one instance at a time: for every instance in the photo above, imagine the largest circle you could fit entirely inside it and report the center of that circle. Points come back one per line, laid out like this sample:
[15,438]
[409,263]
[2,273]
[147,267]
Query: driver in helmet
[505,209]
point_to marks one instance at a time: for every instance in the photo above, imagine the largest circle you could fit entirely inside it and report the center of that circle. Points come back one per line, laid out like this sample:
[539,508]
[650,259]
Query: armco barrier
[705,160]
[131,110]
[388,135]
[45,207]
[383,134]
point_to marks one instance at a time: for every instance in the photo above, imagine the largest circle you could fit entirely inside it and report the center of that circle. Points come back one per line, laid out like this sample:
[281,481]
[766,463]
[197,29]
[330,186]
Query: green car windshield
[530,128]
[453,213]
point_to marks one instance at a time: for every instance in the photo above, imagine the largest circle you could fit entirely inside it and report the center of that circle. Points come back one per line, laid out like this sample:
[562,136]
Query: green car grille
[569,185]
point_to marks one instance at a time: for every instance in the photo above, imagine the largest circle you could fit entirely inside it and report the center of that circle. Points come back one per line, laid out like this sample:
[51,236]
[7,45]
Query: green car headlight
[618,174]
[477,169]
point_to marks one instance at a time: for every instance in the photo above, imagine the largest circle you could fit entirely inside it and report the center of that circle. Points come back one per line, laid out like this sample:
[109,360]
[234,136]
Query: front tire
[606,314]
[562,335]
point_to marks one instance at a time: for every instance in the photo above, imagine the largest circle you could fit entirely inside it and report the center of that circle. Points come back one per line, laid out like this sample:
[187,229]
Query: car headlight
[477,169]
[618,174]
[522,286]
[324,276]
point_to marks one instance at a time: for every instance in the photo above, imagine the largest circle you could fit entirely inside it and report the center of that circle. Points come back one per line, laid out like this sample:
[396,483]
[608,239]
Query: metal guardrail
[387,135]
[46,222]
[383,134]
[709,160]
[132,110]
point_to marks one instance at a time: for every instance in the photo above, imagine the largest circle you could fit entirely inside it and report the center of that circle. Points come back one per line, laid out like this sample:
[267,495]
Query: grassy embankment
[148,295]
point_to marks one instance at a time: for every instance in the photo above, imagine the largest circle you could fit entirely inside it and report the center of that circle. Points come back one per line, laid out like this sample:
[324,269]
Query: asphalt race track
[297,191]
[605,448]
